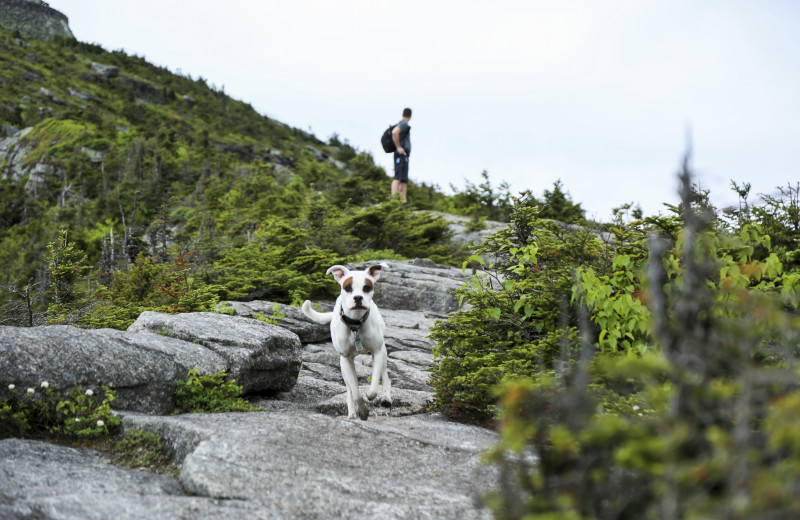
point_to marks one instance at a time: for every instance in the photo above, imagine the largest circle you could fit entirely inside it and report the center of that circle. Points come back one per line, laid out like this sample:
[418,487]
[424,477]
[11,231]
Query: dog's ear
[375,270]
[339,272]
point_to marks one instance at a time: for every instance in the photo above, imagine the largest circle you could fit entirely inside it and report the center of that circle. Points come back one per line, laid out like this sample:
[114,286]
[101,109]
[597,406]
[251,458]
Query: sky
[606,96]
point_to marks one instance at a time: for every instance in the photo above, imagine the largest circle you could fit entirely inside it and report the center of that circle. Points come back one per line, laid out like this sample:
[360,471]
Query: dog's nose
[358,298]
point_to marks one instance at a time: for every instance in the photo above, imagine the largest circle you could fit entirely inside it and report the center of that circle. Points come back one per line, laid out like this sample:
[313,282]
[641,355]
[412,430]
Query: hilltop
[131,158]
[160,191]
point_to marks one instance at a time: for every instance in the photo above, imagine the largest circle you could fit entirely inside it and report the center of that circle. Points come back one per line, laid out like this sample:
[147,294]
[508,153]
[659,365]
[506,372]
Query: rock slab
[143,365]
[67,357]
[259,356]
[264,465]
[298,464]
[44,481]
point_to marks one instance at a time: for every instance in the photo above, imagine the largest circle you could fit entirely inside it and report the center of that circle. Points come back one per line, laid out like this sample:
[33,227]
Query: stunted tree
[558,205]
[68,268]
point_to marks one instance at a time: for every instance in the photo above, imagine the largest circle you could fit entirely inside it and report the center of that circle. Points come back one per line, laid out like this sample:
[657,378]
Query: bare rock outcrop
[259,356]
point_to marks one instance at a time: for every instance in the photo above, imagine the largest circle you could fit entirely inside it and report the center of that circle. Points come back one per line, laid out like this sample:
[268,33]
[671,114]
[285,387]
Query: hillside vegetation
[148,189]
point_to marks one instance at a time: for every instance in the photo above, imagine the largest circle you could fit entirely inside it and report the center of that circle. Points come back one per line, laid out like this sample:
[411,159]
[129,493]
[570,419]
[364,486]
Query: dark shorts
[401,167]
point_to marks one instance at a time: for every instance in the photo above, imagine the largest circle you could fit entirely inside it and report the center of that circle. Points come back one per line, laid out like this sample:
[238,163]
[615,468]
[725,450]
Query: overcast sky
[602,94]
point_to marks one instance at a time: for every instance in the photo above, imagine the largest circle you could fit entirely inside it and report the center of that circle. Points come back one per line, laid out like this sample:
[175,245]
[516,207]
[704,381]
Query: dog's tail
[319,317]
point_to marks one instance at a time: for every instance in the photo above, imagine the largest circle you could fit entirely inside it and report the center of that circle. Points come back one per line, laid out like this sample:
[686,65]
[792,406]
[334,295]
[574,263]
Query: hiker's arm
[396,139]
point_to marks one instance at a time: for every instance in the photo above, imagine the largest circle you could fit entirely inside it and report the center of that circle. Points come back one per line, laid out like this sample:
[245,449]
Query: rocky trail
[298,458]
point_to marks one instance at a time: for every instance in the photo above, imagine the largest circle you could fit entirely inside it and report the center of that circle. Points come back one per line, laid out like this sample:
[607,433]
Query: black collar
[354,325]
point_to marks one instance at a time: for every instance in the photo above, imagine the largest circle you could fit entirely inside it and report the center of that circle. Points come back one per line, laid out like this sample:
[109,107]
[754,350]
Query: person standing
[402,142]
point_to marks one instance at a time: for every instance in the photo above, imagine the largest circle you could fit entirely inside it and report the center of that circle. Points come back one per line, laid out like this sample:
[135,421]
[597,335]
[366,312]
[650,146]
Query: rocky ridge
[34,18]
[299,458]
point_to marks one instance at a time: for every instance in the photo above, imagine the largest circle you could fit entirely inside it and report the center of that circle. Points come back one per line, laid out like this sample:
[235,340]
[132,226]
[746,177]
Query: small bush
[144,450]
[210,394]
[79,414]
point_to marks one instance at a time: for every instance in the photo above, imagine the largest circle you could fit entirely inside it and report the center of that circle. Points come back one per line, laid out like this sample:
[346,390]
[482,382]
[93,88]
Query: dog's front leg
[355,403]
[380,372]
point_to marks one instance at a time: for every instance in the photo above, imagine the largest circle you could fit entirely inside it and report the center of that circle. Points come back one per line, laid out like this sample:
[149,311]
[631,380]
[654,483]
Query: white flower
[11,387]
[89,392]
[100,424]
[636,407]
[640,415]
[45,384]
[30,390]
[77,419]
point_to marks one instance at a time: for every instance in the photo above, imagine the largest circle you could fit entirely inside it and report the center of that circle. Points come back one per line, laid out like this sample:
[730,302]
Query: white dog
[356,317]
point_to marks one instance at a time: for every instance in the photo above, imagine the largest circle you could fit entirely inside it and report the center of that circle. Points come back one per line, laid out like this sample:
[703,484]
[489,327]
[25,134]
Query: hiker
[402,143]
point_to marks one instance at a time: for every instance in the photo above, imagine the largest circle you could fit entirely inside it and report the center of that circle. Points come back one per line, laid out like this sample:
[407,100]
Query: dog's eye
[348,288]
[367,288]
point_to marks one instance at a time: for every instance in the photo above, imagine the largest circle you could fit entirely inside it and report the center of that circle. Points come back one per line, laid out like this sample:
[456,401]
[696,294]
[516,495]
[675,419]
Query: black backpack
[386,140]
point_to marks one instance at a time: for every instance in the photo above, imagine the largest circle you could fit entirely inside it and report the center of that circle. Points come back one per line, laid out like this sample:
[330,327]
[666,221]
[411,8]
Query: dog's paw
[363,411]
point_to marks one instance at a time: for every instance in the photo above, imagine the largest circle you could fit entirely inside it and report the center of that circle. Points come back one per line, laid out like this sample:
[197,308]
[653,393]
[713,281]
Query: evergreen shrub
[692,414]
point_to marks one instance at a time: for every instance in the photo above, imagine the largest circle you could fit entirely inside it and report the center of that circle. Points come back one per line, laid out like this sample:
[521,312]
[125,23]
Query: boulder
[410,358]
[32,76]
[6,129]
[184,354]
[34,19]
[107,71]
[259,356]
[52,97]
[408,330]
[83,96]
[417,285]
[12,154]
[463,236]
[290,317]
[409,376]
[67,357]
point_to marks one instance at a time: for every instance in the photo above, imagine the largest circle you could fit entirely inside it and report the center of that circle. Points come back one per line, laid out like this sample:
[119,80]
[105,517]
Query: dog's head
[357,286]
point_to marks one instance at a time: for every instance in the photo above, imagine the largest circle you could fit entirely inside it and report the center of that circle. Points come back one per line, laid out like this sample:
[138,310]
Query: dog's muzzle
[354,325]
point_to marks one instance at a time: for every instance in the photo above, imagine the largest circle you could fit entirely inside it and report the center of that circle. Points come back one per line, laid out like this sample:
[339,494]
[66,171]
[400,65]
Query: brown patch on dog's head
[347,284]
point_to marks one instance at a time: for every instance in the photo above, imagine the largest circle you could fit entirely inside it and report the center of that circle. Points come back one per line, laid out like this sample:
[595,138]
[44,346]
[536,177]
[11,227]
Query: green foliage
[67,268]
[56,139]
[623,319]
[275,318]
[392,225]
[519,319]
[77,414]
[143,450]
[482,201]
[690,414]
[558,205]
[210,394]
[274,265]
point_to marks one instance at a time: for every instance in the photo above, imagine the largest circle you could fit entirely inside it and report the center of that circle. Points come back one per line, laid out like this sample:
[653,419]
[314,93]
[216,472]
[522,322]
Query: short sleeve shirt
[405,135]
